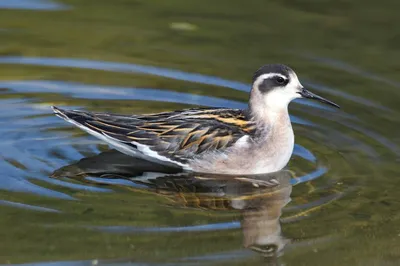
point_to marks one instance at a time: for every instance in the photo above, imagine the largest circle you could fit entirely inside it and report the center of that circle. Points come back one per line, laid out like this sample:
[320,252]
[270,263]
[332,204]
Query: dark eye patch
[272,82]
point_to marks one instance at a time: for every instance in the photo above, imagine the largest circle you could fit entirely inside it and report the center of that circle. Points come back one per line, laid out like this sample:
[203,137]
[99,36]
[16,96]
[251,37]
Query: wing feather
[178,135]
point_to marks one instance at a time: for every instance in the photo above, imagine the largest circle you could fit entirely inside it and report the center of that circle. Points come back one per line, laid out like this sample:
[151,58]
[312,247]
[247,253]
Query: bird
[256,140]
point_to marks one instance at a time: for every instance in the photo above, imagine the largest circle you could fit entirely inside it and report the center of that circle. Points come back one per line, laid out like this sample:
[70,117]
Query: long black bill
[309,95]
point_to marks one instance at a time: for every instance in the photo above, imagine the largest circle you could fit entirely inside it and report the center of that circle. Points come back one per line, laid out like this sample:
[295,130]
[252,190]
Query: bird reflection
[259,198]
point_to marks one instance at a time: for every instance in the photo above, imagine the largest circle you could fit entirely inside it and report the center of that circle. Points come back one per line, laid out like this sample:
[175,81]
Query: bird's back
[175,137]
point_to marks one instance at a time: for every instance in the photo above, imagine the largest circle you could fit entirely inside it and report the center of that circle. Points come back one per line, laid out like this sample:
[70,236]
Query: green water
[122,56]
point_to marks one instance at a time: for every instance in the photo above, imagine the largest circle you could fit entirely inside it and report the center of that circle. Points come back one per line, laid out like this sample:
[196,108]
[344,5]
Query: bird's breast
[251,156]
[272,153]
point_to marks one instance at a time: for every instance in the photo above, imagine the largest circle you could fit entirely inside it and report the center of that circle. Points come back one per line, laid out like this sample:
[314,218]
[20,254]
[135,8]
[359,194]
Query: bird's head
[275,86]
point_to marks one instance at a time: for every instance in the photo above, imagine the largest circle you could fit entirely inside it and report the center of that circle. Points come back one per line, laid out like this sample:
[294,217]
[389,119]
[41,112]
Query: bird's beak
[308,94]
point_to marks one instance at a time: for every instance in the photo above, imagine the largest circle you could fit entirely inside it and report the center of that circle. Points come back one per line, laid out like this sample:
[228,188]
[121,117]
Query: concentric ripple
[36,143]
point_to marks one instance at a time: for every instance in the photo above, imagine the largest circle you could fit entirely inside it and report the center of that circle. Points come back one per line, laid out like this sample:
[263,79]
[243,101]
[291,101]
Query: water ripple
[27,206]
[32,5]
[308,177]
[32,149]
[193,228]
[80,90]
[351,69]
[142,69]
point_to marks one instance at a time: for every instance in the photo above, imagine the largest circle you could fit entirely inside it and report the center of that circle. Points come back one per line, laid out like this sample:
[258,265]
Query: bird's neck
[269,116]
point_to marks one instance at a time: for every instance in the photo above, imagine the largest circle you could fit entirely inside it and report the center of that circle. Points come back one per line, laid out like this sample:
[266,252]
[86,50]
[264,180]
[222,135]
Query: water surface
[66,199]
[31,4]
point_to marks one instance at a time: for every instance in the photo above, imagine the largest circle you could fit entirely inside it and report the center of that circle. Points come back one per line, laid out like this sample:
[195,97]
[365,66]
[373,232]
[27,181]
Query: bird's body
[256,140]
[212,140]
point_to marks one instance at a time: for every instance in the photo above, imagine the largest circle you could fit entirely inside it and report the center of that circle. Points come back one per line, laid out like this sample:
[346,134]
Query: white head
[274,87]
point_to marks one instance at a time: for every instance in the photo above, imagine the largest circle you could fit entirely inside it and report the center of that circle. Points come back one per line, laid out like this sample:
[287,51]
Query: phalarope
[256,140]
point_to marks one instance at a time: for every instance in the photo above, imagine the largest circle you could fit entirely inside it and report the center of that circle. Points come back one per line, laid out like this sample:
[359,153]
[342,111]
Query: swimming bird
[256,140]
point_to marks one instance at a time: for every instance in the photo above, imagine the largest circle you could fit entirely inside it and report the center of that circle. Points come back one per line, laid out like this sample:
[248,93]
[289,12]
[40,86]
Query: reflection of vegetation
[230,40]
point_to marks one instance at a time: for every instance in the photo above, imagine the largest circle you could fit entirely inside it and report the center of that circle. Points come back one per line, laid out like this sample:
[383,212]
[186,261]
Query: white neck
[268,111]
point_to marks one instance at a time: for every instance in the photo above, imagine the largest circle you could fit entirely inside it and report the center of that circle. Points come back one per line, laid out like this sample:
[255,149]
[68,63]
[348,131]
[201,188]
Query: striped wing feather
[178,135]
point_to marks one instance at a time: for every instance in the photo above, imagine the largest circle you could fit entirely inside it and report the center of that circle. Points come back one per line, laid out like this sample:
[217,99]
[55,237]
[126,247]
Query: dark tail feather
[75,115]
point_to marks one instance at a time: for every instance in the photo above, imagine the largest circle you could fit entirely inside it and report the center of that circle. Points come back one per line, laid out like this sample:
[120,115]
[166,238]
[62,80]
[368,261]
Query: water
[31,5]
[66,199]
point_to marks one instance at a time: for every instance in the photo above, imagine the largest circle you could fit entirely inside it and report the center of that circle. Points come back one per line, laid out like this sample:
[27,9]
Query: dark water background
[136,56]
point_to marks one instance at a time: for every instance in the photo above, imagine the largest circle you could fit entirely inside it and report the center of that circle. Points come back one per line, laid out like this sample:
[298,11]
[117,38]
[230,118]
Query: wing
[178,135]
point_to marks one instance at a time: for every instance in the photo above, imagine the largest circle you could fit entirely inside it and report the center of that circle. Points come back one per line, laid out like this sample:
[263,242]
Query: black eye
[270,248]
[280,80]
